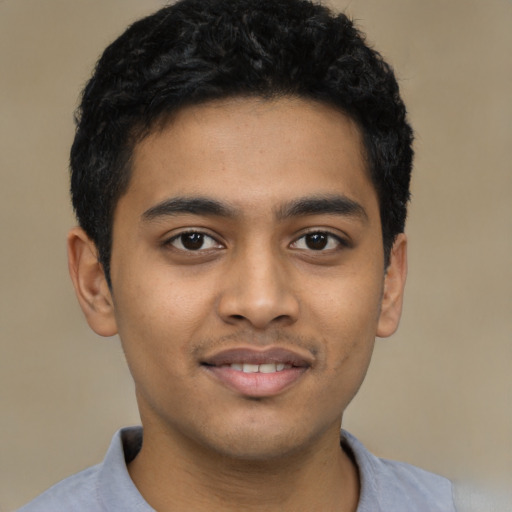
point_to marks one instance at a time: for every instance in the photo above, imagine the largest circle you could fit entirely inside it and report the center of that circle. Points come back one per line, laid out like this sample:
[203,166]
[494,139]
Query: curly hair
[199,50]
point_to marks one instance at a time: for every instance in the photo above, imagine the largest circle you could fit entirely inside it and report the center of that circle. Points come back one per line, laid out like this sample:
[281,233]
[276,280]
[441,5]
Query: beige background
[438,395]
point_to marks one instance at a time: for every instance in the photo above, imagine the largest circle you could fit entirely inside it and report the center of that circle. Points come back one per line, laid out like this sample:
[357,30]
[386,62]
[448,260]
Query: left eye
[317,241]
[193,241]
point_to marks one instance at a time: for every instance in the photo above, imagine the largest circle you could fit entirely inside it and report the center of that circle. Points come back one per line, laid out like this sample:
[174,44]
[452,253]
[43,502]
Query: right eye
[193,241]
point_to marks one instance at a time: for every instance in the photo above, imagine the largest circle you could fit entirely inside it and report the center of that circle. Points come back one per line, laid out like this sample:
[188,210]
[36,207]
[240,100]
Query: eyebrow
[304,206]
[322,205]
[190,205]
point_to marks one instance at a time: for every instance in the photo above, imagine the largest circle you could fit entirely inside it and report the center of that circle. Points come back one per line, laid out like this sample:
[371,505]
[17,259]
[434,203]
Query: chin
[258,450]
[261,443]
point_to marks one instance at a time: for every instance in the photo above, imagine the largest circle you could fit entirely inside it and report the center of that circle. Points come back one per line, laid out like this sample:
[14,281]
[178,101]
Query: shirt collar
[116,490]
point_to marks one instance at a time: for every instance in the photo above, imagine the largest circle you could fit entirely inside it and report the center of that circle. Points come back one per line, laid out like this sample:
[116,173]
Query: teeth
[268,368]
[250,368]
[260,368]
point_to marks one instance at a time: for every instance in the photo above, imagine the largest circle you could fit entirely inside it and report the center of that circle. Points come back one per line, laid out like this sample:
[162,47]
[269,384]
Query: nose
[257,290]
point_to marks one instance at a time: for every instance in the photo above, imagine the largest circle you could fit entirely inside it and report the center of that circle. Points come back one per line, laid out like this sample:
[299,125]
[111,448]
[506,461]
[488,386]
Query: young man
[240,174]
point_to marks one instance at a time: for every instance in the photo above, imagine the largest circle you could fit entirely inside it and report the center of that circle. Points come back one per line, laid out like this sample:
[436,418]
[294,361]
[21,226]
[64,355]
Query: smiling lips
[256,373]
[260,368]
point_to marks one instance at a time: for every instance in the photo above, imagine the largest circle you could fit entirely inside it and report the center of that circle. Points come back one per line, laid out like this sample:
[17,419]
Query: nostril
[260,306]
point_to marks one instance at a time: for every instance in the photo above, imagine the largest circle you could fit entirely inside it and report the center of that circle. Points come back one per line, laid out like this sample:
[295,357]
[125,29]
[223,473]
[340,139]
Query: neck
[176,474]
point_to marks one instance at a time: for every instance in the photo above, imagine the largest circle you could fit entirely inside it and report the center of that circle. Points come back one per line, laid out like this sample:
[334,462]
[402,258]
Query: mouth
[257,373]
[260,368]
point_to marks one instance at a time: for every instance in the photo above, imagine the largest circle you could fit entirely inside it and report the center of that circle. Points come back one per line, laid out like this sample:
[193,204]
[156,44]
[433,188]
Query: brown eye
[193,241]
[316,241]
[319,241]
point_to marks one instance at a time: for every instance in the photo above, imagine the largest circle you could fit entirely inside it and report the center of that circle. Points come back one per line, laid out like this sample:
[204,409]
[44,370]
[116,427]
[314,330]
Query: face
[248,279]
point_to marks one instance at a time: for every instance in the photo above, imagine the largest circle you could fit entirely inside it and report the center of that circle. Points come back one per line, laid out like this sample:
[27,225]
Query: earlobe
[393,292]
[90,283]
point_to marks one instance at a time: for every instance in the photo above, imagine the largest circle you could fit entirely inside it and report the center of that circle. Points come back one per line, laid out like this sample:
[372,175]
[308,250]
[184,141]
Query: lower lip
[257,385]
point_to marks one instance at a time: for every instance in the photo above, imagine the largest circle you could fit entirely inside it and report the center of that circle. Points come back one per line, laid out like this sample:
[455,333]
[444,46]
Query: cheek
[348,306]
[348,343]
[346,315]
[163,300]
[157,320]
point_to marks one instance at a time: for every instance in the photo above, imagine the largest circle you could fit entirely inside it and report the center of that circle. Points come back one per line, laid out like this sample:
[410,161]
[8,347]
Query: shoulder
[74,494]
[414,487]
[397,486]
[101,488]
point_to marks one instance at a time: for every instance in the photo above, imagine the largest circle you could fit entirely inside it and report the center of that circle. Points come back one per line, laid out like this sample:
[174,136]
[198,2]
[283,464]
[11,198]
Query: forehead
[251,152]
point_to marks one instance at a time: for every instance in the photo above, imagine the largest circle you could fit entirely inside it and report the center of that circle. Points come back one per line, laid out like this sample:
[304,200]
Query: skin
[258,281]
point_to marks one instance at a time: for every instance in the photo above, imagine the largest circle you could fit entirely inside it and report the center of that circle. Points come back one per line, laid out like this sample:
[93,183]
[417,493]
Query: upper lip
[252,356]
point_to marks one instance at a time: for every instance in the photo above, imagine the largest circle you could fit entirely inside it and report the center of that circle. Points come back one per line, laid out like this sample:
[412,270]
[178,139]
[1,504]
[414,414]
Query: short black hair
[199,50]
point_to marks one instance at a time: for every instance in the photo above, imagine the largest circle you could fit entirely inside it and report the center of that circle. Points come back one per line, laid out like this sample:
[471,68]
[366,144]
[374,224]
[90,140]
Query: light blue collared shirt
[386,486]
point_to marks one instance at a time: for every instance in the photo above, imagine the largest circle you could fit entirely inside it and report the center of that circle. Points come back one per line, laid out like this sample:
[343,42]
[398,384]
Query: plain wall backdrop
[438,394]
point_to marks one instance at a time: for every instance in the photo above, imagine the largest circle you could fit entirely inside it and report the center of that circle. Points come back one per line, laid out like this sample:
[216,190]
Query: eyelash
[330,237]
[202,236]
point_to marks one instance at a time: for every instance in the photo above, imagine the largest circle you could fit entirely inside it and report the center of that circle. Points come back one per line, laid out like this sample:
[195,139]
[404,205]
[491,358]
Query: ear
[90,283]
[394,284]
